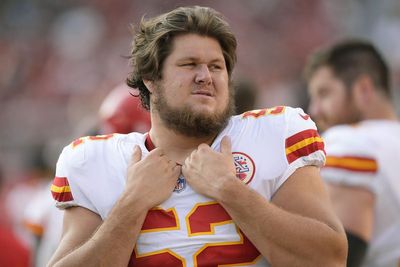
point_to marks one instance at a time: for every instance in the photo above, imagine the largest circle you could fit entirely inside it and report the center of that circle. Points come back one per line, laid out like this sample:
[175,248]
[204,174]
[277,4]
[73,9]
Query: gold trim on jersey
[60,189]
[303,143]
[160,252]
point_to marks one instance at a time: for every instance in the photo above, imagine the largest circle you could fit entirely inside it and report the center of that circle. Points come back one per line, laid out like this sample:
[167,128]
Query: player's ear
[150,85]
[363,90]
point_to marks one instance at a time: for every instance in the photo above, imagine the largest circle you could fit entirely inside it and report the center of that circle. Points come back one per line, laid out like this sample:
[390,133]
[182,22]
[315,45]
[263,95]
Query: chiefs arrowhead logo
[245,167]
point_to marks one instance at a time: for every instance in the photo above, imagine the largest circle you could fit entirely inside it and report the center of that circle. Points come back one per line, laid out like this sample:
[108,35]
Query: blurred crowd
[60,59]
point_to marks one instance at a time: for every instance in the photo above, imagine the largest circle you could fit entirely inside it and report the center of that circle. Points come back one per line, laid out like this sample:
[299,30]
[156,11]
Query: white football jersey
[368,155]
[189,229]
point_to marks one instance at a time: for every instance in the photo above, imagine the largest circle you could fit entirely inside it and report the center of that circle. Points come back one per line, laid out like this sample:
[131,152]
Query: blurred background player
[40,221]
[246,93]
[349,87]
[45,224]
[21,192]
[12,251]
[123,113]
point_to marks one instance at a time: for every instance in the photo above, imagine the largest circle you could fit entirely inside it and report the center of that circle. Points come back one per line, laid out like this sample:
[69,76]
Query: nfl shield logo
[180,185]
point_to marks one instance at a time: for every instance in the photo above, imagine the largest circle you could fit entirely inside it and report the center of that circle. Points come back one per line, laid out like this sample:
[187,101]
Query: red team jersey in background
[189,229]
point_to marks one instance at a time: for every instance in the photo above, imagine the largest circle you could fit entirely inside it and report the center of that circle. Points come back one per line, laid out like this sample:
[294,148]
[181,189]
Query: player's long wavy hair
[152,43]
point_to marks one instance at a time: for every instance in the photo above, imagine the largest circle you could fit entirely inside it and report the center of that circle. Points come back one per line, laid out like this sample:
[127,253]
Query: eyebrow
[197,59]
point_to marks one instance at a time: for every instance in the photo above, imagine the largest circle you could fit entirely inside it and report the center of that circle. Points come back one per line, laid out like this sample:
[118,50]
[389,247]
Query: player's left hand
[206,170]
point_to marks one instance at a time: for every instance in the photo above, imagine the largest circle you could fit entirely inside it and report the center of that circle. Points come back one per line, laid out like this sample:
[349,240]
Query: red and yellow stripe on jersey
[60,189]
[303,144]
[352,163]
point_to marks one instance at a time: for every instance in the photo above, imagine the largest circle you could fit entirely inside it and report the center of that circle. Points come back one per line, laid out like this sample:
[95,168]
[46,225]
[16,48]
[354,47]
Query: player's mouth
[203,93]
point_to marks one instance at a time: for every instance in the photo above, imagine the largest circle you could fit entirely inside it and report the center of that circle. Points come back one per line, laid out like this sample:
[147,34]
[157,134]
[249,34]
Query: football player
[202,187]
[349,87]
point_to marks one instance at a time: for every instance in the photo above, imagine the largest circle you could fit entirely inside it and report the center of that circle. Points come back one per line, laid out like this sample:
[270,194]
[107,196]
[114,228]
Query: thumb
[137,154]
[226,146]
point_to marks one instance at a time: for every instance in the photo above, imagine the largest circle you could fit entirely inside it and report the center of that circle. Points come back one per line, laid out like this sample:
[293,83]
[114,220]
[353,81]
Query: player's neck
[166,138]
[380,110]
[177,146]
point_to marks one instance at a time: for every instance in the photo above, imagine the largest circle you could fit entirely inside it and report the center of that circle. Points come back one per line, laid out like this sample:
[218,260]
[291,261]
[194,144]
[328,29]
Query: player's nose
[203,75]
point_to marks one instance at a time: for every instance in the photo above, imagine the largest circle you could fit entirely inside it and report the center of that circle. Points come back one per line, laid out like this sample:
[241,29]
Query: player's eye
[324,92]
[215,67]
[188,64]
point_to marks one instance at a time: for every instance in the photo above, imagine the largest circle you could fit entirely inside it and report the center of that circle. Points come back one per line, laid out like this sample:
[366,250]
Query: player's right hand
[151,180]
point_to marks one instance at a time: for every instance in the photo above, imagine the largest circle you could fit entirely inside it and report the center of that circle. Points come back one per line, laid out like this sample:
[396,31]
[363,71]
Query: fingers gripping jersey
[367,155]
[189,229]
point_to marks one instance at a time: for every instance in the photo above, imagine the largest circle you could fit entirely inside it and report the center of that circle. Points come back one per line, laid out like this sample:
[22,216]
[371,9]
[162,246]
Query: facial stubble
[186,121]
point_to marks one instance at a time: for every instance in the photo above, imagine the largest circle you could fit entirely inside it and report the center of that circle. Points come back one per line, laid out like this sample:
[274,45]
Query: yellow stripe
[352,163]
[303,143]
[60,189]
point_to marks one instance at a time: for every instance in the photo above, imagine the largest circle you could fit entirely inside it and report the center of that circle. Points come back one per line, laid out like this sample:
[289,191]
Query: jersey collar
[148,143]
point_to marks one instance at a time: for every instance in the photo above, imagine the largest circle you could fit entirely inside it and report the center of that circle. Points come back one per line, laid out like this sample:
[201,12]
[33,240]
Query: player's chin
[204,109]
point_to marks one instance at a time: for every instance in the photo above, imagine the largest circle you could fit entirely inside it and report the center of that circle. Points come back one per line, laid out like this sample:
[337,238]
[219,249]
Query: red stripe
[60,181]
[351,169]
[62,197]
[305,151]
[355,157]
[301,136]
